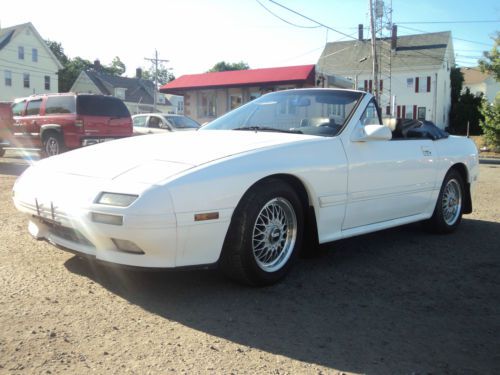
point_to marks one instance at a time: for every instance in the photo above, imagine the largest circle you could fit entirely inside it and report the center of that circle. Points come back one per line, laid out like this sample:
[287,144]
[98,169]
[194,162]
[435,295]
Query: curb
[489,161]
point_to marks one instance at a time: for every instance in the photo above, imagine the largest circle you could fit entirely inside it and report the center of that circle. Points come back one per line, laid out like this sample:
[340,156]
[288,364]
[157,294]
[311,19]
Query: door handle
[426,151]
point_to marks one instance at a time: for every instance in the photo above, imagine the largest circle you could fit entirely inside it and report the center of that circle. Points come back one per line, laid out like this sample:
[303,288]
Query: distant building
[137,93]
[27,65]
[177,102]
[210,95]
[415,72]
[479,82]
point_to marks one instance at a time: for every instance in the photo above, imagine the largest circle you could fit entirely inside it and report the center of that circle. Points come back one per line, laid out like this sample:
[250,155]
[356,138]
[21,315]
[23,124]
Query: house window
[47,82]
[180,106]
[423,84]
[26,80]
[20,53]
[34,55]
[8,78]
[409,82]
[236,101]
[207,106]
[120,93]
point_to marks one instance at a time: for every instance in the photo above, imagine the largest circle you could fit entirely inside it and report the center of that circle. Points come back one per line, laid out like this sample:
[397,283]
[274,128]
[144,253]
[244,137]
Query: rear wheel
[53,144]
[265,234]
[449,206]
[2,152]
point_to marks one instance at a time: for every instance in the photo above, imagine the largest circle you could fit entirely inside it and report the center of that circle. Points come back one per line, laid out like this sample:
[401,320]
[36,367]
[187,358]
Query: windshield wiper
[267,129]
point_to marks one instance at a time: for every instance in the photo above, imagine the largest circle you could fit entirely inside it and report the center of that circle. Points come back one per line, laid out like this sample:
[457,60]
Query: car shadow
[397,301]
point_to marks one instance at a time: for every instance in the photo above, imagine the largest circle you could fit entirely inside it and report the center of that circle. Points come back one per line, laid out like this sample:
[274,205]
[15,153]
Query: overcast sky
[195,34]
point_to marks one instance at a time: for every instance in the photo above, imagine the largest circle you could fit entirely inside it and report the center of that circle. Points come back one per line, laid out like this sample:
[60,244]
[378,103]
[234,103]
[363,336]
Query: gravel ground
[399,301]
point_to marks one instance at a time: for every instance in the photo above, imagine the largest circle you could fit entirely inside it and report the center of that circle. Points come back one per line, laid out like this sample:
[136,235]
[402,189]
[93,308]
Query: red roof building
[210,95]
[290,75]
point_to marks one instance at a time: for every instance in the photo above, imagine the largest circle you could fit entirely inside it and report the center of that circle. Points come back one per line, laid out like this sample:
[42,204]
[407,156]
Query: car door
[27,125]
[388,179]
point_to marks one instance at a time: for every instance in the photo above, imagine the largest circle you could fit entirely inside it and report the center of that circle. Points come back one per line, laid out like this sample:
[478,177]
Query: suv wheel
[2,152]
[53,144]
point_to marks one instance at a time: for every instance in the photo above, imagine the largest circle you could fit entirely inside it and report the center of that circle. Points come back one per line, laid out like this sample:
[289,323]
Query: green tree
[73,67]
[164,74]
[117,67]
[456,83]
[491,122]
[490,63]
[223,66]
[467,110]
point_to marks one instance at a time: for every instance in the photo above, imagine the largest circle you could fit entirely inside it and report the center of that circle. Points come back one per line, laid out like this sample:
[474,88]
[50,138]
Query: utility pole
[374,55]
[155,61]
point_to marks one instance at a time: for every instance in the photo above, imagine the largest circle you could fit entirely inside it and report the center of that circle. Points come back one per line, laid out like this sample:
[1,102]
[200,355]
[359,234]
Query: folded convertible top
[418,129]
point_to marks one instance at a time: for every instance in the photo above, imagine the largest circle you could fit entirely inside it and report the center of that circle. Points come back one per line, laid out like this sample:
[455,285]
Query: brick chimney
[138,73]
[360,31]
[97,64]
[394,37]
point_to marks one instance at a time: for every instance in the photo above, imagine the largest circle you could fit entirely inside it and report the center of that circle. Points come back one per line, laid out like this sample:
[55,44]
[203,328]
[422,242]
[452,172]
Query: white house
[27,65]
[177,103]
[137,93]
[479,82]
[414,72]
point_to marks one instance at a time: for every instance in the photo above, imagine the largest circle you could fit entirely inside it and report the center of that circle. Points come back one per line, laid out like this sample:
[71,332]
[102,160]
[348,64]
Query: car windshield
[182,122]
[315,112]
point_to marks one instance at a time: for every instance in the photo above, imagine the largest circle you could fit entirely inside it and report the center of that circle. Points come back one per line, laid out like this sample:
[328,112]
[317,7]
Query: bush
[491,123]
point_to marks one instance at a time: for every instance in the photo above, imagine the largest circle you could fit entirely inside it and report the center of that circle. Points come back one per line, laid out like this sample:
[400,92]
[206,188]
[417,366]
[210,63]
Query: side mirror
[372,133]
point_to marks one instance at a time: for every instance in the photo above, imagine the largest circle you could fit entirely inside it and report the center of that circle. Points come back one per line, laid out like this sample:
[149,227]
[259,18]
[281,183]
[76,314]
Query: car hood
[152,158]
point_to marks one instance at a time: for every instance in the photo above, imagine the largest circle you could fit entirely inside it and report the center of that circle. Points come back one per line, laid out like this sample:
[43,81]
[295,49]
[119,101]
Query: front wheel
[449,206]
[2,152]
[265,233]
[53,144]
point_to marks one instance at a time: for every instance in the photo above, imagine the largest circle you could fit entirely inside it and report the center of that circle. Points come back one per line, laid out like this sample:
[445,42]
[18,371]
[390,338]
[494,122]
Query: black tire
[2,152]
[53,144]
[259,250]
[449,206]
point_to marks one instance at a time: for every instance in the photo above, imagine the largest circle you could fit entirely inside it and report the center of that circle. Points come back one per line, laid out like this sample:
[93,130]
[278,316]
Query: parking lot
[401,301]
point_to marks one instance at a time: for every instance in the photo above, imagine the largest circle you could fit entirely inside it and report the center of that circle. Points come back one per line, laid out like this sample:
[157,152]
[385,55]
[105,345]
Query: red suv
[58,122]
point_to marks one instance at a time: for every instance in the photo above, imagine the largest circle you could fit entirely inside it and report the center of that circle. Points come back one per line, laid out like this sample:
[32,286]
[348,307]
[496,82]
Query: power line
[432,22]
[284,20]
[427,32]
[310,19]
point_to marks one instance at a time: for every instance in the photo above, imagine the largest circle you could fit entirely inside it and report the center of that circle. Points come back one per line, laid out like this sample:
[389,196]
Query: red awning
[237,78]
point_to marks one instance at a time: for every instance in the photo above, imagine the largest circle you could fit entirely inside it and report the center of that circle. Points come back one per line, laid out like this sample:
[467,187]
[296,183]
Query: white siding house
[27,65]
[479,82]
[414,73]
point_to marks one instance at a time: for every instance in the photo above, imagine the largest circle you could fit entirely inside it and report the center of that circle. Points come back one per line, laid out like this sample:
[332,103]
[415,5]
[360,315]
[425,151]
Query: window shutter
[381,85]
[399,111]
[404,112]
[416,84]
[388,110]
[366,85]
[414,112]
[370,85]
[428,84]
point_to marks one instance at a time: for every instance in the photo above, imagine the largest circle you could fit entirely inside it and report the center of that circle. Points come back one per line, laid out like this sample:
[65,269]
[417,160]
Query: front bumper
[156,235]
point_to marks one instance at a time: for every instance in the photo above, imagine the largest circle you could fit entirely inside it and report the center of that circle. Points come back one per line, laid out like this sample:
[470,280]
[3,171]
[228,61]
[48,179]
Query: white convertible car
[286,171]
